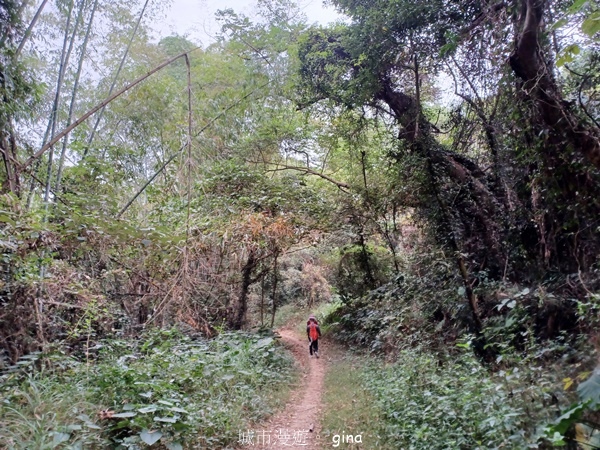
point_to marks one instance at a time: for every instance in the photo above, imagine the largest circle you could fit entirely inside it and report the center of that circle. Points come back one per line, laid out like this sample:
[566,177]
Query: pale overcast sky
[196,18]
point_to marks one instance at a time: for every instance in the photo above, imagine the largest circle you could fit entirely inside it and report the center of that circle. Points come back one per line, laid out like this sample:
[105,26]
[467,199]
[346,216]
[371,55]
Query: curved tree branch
[340,184]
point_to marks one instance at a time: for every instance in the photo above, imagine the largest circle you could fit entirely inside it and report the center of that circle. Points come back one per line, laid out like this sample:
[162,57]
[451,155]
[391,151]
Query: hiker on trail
[314,333]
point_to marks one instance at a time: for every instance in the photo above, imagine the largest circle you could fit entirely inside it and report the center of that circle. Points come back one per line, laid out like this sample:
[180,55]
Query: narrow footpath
[297,426]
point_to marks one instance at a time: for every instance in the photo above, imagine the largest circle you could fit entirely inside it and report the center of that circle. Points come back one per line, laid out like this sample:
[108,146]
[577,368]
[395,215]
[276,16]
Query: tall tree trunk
[242,306]
[189,148]
[365,260]
[569,157]
[274,291]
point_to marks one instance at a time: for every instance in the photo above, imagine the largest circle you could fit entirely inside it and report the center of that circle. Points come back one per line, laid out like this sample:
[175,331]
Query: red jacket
[312,330]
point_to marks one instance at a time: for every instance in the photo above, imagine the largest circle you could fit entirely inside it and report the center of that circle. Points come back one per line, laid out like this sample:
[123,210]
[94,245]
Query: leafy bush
[579,423]
[167,389]
[412,309]
[427,404]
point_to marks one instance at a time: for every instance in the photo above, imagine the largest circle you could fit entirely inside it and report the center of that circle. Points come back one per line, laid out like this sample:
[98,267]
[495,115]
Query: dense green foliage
[164,388]
[458,404]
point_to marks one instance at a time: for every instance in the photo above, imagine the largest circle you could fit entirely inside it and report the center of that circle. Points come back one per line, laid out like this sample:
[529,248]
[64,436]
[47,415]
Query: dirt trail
[291,427]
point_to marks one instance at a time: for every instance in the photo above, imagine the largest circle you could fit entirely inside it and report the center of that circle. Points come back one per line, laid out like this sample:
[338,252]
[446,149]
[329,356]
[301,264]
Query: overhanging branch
[101,105]
[340,184]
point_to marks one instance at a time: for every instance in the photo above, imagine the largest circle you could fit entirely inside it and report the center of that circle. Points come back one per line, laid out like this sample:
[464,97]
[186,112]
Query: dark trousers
[314,345]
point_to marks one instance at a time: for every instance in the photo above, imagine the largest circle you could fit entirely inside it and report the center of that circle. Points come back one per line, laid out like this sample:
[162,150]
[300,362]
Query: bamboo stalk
[99,106]
[116,77]
[64,62]
[189,149]
[30,28]
[74,94]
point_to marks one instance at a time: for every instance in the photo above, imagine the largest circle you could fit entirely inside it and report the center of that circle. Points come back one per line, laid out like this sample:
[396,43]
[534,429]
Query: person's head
[312,318]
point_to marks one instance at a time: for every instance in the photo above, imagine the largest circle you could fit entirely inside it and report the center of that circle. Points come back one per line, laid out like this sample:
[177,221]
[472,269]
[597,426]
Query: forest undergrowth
[432,384]
[165,390]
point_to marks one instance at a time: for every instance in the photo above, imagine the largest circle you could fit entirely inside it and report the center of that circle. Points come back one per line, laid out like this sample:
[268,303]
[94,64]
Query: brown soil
[297,426]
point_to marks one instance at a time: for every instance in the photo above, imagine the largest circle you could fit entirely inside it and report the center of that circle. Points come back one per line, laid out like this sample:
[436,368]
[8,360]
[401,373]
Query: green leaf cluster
[429,403]
[168,388]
